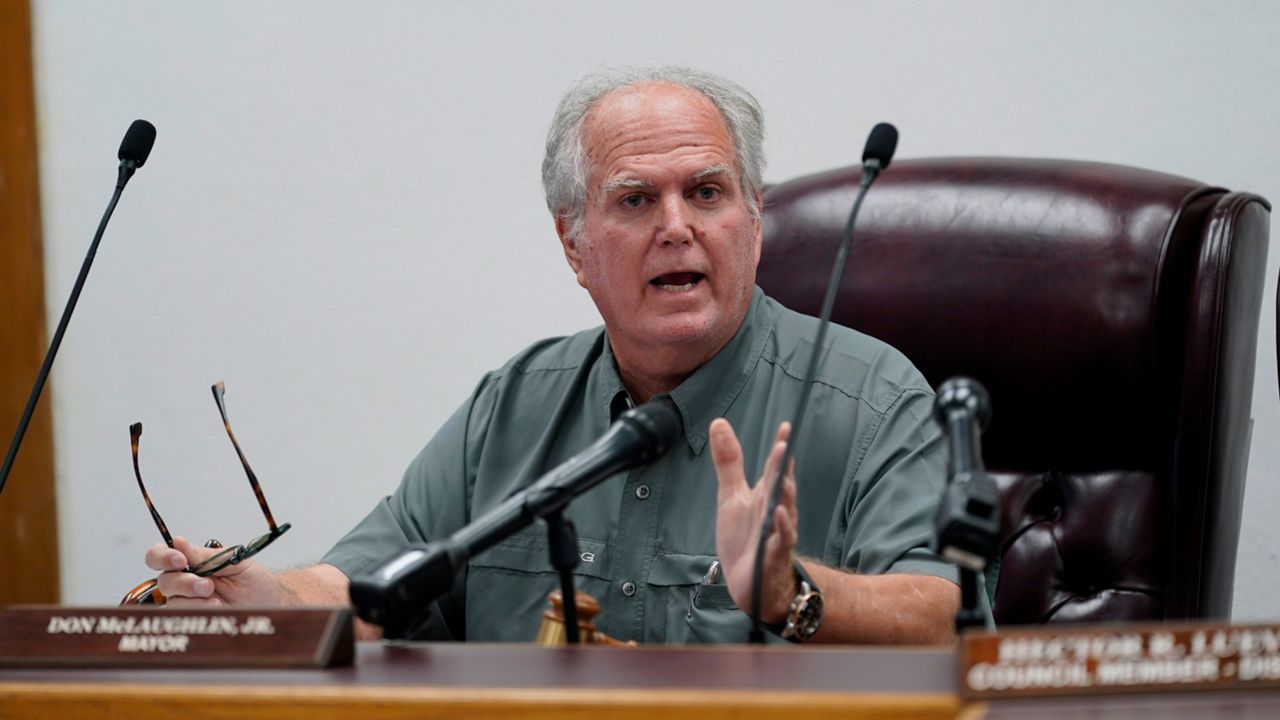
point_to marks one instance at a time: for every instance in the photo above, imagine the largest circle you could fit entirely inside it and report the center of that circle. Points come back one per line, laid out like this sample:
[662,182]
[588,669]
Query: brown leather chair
[1111,312]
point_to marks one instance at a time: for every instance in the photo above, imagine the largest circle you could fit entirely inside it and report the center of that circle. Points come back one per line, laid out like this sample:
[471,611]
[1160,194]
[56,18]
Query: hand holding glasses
[146,592]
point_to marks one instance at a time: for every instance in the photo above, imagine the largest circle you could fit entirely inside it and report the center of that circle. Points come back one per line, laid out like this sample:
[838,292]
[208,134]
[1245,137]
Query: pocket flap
[527,552]
[678,569]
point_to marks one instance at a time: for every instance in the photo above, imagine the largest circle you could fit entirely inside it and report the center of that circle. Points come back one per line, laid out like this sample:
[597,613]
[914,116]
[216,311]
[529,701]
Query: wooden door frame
[29,569]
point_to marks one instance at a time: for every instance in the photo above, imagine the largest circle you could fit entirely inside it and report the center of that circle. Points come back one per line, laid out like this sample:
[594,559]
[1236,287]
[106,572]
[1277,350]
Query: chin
[682,330]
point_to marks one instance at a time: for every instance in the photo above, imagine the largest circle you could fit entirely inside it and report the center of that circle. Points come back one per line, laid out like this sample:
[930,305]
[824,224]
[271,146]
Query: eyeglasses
[146,592]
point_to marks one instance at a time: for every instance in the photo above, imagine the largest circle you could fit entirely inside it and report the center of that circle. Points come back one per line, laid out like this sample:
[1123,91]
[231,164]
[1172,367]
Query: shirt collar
[711,389]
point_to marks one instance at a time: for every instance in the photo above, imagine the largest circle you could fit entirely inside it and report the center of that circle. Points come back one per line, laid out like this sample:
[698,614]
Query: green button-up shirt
[870,468]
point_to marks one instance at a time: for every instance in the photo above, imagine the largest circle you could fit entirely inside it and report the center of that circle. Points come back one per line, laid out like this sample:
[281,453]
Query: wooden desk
[1187,705]
[512,682]
[507,682]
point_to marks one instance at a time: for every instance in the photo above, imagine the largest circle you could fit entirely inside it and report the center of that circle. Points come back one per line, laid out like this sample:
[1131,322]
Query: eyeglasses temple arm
[218,390]
[135,433]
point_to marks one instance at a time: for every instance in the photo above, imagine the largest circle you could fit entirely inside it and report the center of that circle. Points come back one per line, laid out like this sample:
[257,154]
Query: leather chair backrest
[1111,312]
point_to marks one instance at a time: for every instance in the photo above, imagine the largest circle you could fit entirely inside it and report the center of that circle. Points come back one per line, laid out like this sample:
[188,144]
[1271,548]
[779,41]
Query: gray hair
[564,167]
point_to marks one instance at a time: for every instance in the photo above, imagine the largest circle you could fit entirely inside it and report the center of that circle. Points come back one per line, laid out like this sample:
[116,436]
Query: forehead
[654,126]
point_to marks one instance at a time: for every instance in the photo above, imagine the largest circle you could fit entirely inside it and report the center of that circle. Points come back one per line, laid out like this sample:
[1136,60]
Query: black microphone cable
[876,156]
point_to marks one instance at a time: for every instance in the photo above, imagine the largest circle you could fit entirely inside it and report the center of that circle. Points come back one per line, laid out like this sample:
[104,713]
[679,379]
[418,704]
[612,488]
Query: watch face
[808,615]
[805,614]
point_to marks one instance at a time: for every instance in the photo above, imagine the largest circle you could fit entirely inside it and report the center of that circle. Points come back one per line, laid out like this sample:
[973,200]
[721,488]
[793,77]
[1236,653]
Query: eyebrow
[619,183]
[717,169]
[637,183]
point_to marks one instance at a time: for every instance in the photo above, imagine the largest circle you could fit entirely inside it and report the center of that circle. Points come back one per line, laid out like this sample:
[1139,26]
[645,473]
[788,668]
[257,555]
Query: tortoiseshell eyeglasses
[146,592]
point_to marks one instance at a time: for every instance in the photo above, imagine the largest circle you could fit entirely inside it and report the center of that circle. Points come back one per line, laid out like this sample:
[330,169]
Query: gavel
[551,633]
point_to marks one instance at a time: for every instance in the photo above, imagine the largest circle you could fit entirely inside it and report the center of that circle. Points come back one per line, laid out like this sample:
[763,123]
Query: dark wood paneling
[28,506]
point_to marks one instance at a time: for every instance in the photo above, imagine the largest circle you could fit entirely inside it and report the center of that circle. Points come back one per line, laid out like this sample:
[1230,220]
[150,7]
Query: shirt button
[642,492]
[628,588]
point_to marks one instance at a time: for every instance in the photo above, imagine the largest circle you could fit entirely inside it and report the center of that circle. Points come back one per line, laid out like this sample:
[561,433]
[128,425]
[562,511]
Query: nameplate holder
[141,637]
[1131,658]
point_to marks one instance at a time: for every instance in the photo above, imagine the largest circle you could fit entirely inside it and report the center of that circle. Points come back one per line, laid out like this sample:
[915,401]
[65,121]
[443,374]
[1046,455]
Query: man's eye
[707,192]
[633,201]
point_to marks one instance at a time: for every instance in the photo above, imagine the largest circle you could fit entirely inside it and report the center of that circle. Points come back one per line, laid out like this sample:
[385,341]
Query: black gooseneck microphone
[397,592]
[133,153]
[876,155]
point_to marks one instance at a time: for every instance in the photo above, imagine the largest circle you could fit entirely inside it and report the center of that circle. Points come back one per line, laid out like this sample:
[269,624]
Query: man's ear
[759,235]
[572,248]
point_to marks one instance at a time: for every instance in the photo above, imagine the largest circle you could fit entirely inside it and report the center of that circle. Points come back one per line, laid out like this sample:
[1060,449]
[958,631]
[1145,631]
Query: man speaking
[654,181]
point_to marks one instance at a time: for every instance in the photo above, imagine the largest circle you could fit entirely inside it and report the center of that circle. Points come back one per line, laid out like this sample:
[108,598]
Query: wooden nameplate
[131,637]
[1091,659]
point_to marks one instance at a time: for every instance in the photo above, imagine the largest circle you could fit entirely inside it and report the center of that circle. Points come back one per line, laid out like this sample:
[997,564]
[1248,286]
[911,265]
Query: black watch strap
[802,575]
[807,592]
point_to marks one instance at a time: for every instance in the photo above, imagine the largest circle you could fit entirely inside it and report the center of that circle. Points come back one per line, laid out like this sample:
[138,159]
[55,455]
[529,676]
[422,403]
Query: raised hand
[740,512]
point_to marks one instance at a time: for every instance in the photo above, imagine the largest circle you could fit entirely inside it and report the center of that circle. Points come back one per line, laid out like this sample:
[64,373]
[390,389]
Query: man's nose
[675,220]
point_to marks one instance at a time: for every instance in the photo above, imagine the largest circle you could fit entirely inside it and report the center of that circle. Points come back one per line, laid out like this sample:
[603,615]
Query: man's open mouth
[677,282]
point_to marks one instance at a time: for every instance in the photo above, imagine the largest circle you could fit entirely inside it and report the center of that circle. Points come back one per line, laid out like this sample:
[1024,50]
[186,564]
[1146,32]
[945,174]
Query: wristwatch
[804,615]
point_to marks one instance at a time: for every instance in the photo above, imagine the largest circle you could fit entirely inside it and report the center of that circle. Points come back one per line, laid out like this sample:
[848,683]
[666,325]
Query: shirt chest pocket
[526,552]
[696,613]
[507,586]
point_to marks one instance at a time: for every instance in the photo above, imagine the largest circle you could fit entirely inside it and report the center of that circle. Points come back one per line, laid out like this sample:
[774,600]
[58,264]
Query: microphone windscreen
[137,142]
[881,144]
[963,393]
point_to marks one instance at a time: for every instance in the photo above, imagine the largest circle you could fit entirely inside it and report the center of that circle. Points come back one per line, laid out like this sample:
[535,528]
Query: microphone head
[881,143]
[137,143]
[659,425]
[962,394]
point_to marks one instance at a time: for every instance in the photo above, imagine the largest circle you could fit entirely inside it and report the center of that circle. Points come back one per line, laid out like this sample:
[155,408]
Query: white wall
[342,216]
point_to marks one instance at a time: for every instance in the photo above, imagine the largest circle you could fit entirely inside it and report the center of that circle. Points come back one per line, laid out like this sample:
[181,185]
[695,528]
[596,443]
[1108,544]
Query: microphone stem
[57,336]
[964,441]
[869,172]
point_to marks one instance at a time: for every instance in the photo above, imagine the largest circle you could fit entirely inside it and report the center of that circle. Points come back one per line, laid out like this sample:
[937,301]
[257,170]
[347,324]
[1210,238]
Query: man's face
[669,246]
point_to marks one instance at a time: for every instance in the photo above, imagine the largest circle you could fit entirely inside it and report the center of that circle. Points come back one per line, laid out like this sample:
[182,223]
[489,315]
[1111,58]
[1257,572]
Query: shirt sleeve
[898,484]
[431,502]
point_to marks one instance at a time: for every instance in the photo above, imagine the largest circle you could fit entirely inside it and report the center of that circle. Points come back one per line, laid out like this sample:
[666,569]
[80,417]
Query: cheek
[740,251]
[616,256]
[607,275]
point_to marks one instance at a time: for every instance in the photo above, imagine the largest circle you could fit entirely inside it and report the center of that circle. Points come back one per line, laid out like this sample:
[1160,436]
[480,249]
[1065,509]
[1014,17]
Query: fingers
[184,602]
[196,556]
[786,517]
[769,476]
[179,587]
[726,454]
[179,557]
[788,498]
[162,557]
[193,554]
[783,539]
[778,555]
[784,431]
[788,532]
[779,449]
[175,585]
